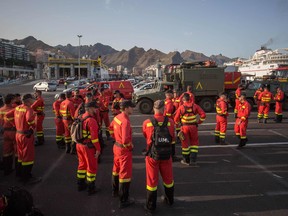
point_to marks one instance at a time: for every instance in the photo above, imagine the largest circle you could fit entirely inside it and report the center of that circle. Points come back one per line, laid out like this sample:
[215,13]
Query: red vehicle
[125,87]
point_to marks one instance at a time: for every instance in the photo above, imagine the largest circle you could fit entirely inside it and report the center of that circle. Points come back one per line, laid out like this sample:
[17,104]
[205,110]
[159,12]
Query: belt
[23,132]
[222,115]
[121,145]
[39,114]
[9,129]
[188,124]
[59,117]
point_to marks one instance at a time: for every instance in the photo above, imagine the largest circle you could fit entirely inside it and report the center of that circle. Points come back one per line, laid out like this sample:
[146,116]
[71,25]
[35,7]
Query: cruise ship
[265,62]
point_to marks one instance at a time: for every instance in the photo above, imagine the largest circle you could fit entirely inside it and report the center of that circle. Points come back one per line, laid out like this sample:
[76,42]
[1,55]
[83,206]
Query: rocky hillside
[135,57]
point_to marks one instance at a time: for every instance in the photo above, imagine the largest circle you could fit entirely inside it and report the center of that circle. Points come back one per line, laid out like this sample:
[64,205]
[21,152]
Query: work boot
[185,160]
[115,186]
[27,177]
[280,118]
[18,168]
[68,147]
[217,139]
[151,200]
[193,160]
[265,121]
[223,142]
[124,195]
[242,142]
[81,184]
[7,165]
[169,195]
[259,120]
[92,189]
[40,141]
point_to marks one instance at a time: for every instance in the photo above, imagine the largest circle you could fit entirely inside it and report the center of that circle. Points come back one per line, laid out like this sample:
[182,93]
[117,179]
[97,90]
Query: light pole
[79,74]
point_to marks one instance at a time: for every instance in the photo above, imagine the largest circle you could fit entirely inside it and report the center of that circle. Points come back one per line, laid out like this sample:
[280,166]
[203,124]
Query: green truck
[251,88]
[207,82]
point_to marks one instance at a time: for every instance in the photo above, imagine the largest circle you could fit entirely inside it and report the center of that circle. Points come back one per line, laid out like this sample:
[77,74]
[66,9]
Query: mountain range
[134,57]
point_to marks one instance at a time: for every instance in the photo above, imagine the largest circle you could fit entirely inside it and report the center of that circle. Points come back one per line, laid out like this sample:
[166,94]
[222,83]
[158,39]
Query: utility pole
[79,73]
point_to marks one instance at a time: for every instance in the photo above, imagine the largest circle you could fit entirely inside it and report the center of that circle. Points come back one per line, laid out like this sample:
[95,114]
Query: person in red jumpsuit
[67,111]
[24,120]
[169,107]
[121,131]
[241,122]
[279,98]
[256,96]
[9,145]
[77,99]
[187,115]
[104,111]
[221,119]
[265,97]
[153,167]
[60,141]
[88,151]
[38,107]
[237,95]
[190,92]
[115,108]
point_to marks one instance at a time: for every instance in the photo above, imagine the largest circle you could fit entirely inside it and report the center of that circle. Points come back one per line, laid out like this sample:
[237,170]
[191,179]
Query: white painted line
[50,170]
[265,170]
[277,133]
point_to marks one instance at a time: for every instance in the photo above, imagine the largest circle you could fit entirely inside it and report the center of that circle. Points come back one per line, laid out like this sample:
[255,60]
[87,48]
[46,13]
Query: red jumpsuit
[242,120]
[176,103]
[121,130]
[116,110]
[169,108]
[9,148]
[38,107]
[67,111]
[187,115]
[221,119]
[103,103]
[265,97]
[88,164]
[237,95]
[24,121]
[279,97]
[58,123]
[9,131]
[256,96]
[76,101]
[153,167]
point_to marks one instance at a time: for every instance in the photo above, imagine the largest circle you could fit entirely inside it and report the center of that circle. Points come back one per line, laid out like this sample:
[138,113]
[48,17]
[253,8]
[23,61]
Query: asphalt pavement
[229,181]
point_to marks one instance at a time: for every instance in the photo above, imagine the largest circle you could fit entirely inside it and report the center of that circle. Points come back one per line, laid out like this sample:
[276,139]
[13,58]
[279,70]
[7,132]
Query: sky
[228,27]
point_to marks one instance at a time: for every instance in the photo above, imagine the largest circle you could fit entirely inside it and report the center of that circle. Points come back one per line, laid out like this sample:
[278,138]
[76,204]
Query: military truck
[207,82]
[272,84]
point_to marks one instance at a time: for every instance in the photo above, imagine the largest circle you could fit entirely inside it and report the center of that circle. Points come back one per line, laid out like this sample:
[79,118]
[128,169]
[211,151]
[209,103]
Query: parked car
[61,81]
[54,81]
[45,86]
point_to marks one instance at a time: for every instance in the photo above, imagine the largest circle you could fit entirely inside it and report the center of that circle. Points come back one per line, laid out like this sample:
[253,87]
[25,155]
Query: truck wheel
[207,104]
[145,106]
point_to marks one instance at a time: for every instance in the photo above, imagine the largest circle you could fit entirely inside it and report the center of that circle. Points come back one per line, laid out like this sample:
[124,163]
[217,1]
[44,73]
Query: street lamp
[79,74]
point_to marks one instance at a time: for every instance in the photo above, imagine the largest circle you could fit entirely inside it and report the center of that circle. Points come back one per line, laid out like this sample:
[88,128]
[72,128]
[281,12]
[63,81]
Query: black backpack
[160,148]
